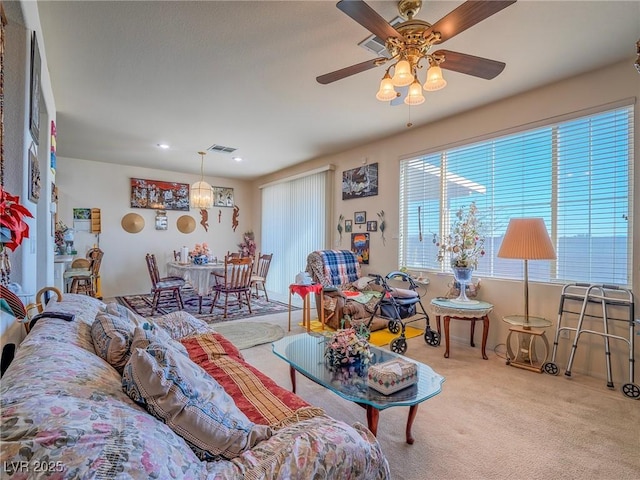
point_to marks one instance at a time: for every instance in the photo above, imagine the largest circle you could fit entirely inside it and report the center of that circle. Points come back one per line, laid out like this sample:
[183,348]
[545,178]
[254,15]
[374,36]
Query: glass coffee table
[305,354]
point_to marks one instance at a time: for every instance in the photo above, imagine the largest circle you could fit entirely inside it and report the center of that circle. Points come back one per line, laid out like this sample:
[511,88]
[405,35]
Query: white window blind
[577,175]
[293,225]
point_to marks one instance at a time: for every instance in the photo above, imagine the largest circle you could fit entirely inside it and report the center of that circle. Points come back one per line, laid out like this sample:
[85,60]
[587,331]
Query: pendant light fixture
[201,192]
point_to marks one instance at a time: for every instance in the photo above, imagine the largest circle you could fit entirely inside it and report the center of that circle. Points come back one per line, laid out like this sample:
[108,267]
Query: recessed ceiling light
[237,159]
[163,146]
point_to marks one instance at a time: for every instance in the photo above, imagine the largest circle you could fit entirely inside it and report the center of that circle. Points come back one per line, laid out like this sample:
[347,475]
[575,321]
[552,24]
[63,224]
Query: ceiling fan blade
[368,18]
[466,16]
[352,70]
[469,64]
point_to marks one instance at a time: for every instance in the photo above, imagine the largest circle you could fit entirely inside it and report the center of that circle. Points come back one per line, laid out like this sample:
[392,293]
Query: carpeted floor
[141,304]
[249,334]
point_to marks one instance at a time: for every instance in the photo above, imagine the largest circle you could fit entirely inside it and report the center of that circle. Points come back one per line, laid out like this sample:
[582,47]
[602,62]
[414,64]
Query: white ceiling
[129,75]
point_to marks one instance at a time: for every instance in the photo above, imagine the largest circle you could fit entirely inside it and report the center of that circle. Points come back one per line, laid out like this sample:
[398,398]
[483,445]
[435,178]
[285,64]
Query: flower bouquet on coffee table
[346,348]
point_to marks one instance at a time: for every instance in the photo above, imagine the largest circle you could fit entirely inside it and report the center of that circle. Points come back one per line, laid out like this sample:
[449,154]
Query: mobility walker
[397,304]
[601,299]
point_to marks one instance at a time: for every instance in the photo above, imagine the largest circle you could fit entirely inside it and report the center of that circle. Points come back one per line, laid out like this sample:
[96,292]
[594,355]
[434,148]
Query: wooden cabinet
[96,222]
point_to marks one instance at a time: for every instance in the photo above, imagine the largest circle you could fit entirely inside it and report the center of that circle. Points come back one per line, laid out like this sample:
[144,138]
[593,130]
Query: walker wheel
[399,345]
[631,390]
[551,368]
[394,326]
[432,338]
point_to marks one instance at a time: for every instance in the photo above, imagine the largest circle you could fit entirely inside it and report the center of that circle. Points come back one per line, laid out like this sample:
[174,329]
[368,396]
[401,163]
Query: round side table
[527,332]
[472,311]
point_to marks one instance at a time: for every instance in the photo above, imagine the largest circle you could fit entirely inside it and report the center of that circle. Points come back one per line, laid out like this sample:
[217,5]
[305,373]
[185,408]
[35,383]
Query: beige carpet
[492,421]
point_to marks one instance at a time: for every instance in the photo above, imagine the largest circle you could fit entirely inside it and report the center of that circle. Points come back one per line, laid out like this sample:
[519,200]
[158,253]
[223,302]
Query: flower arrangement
[13,228]
[346,348]
[61,229]
[248,246]
[465,243]
[200,249]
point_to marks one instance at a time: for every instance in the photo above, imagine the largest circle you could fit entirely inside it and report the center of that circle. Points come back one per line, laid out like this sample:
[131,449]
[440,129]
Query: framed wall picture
[372,226]
[348,226]
[34,175]
[223,197]
[360,246]
[34,93]
[360,182]
[360,218]
[161,195]
[82,219]
[161,220]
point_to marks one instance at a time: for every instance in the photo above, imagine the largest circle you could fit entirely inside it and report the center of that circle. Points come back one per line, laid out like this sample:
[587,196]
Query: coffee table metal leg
[413,410]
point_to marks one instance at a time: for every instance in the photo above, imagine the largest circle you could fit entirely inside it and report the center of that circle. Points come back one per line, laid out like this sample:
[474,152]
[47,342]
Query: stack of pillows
[158,374]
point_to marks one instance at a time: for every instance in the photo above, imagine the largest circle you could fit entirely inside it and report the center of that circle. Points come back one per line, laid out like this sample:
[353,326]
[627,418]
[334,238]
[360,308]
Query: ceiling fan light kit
[409,43]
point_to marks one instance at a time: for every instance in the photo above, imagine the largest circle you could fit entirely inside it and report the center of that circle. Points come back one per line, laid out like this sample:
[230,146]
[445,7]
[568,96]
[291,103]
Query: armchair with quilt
[340,274]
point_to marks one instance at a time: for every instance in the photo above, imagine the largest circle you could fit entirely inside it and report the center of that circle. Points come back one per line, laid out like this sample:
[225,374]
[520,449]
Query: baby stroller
[397,304]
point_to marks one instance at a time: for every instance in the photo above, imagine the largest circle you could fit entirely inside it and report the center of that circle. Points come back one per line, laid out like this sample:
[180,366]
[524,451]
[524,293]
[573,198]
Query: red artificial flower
[13,228]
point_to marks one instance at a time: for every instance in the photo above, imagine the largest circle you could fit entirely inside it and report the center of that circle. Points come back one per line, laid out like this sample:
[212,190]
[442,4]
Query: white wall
[87,184]
[601,87]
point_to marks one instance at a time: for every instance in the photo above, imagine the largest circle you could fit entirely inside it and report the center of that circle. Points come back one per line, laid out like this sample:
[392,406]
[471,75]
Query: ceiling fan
[409,43]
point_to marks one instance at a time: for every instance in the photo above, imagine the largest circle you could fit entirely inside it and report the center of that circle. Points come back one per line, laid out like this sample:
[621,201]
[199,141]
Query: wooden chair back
[152,266]
[95,258]
[237,273]
[263,264]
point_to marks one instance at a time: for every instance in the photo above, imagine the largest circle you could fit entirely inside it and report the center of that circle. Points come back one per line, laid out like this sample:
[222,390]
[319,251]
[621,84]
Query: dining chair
[85,280]
[236,281]
[160,286]
[259,277]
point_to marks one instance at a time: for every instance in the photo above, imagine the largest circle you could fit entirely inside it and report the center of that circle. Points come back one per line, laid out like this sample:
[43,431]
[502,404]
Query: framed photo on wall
[360,182]
[372,226]
[223,197]
[157,194]
[34,175]
[360,246]
[348,226]
[34,92]
[360,218]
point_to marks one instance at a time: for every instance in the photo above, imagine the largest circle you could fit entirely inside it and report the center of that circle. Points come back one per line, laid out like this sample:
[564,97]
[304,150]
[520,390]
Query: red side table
[304,291]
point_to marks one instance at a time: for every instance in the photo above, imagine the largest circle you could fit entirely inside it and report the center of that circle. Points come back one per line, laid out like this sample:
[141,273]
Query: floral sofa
[69,413]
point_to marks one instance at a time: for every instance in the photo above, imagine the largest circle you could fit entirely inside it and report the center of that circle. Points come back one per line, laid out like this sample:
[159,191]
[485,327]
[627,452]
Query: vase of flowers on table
[200,254]
[463,247]
[347,349]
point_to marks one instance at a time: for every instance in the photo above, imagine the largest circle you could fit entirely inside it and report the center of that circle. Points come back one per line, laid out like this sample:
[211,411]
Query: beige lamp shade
[186,224]
[527,239]
[132,223]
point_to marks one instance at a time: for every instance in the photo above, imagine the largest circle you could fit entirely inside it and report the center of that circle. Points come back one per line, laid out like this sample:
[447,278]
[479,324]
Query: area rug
[378,338]
[249,334]
[141,304]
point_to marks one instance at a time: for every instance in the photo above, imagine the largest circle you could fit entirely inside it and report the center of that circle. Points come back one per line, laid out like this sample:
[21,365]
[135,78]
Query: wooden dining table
[198,276]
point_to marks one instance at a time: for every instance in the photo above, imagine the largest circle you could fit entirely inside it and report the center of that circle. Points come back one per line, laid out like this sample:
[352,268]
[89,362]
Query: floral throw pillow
[181,394]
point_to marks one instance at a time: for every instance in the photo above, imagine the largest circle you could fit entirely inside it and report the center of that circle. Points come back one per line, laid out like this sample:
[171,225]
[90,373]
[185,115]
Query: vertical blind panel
[293,225]
[576,175]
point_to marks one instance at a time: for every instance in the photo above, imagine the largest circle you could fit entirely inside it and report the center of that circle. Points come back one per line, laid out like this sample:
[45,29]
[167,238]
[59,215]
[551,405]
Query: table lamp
[527,239]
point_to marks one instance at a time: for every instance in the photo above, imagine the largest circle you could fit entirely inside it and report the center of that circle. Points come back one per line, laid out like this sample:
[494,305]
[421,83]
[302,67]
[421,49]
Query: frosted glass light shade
[402,75]
[201,195]
[434,81]
[414,95]
[386,93]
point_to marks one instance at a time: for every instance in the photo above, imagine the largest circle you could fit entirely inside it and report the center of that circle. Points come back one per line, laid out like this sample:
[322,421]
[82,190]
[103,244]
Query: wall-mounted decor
[360,246]
[82,219]
[52,161]
[132,223]
[383,225]
[372,226]
[360,218]
[348,226]
[204,219]
[223,197]
[186,224]
[161,220]
[159,195]
[34,175]
[34,111]
[360,182]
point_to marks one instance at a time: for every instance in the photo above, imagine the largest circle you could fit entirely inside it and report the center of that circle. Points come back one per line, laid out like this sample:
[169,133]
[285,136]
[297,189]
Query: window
[293,225]
[577,175]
